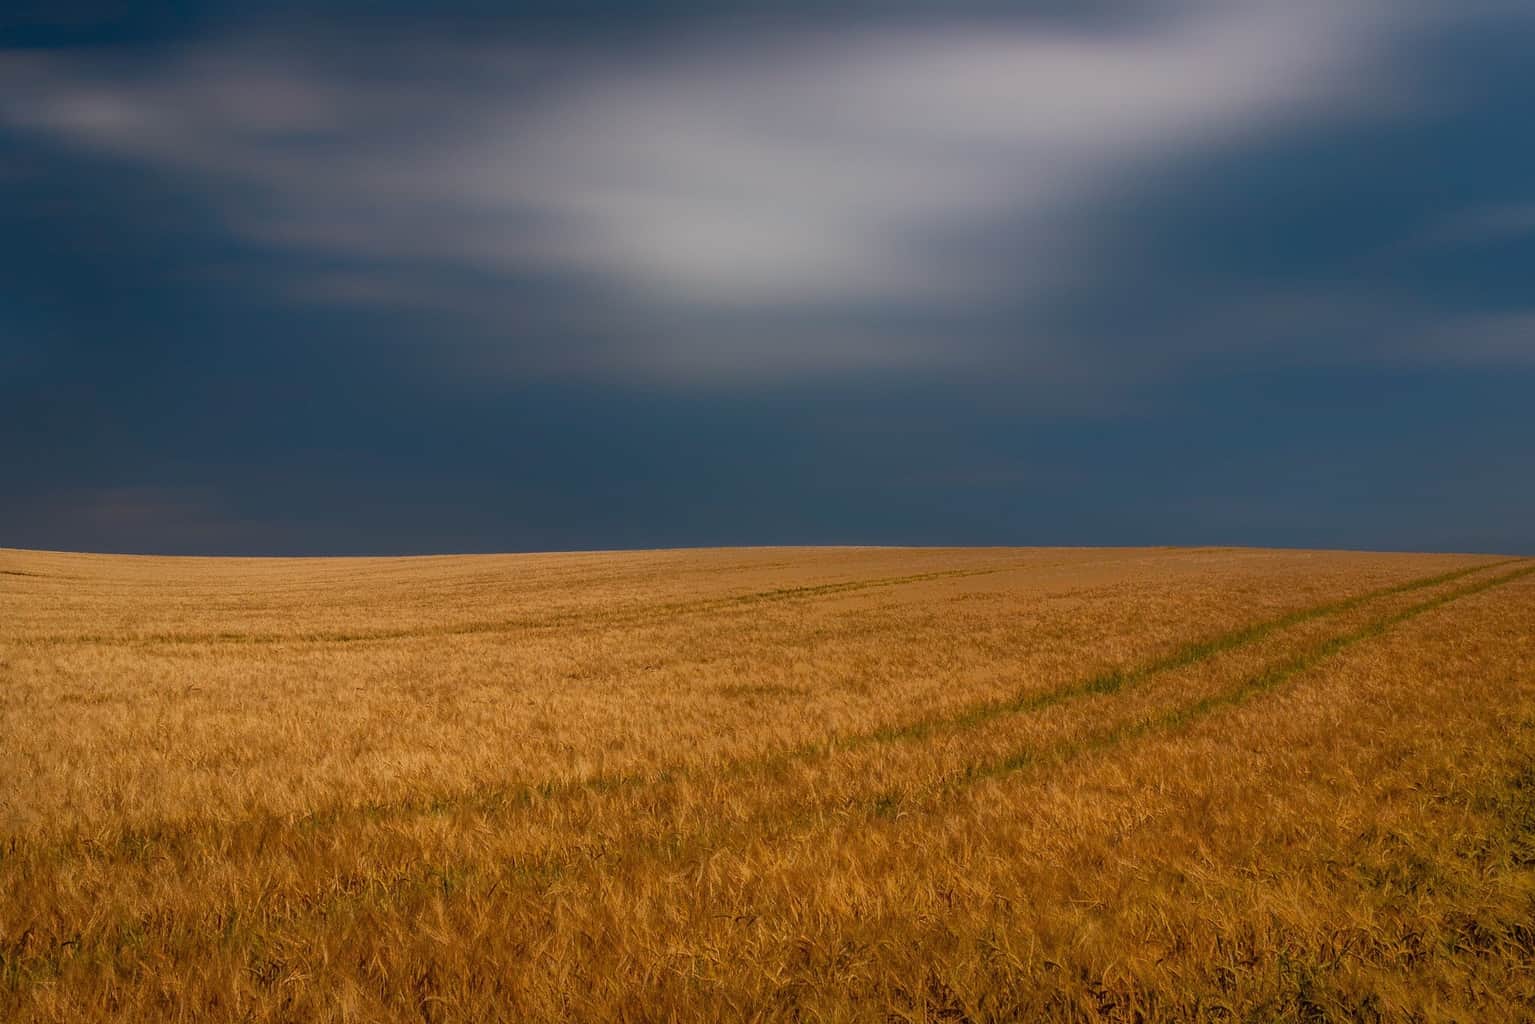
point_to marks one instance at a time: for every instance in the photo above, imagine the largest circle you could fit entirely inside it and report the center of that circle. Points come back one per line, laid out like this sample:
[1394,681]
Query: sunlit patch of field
[769,784]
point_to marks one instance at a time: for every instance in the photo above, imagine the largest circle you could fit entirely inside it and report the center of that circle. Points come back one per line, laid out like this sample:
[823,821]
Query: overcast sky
[473,277]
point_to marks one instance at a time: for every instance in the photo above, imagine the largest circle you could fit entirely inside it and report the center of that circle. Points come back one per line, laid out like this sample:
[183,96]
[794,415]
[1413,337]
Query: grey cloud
[808,168]
[734,209]
[1338,328]
[1485,339]
[1487,223]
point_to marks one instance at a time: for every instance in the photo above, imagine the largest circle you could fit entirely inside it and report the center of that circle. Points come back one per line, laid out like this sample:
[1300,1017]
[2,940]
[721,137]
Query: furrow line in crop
[424,880]
[529,796]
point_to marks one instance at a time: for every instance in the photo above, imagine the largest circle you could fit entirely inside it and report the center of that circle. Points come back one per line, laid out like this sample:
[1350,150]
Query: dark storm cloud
[670,274]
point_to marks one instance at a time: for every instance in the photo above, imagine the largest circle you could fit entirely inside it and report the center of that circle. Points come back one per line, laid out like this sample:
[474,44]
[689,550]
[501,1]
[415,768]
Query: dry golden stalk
[824,784]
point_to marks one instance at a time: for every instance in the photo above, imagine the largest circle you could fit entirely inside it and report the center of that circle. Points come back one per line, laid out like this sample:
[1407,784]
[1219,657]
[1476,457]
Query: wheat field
[769,784]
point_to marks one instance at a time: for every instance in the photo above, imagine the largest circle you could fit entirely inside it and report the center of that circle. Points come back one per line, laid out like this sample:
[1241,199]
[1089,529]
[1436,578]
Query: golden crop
[769,784]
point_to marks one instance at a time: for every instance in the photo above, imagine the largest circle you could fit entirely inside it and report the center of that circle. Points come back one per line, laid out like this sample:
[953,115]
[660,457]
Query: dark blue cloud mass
[402,278]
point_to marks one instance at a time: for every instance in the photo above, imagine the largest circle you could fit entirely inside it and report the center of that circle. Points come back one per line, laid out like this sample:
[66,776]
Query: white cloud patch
[801,166]
[797,171]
